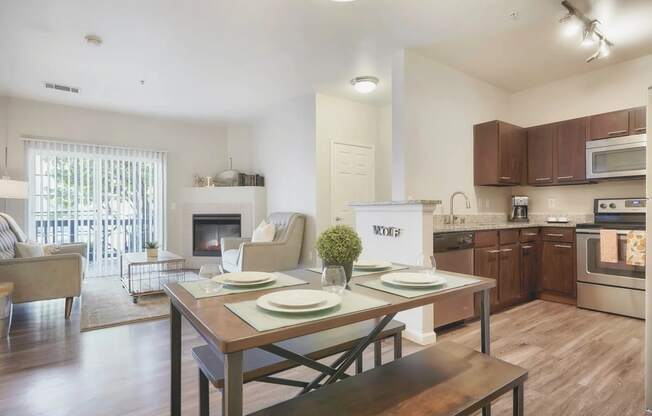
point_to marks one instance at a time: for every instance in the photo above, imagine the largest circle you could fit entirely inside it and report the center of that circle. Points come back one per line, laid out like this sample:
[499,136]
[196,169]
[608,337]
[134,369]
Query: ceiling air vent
[60,87]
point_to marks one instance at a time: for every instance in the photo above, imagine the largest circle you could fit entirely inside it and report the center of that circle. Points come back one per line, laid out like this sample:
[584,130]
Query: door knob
[338,218]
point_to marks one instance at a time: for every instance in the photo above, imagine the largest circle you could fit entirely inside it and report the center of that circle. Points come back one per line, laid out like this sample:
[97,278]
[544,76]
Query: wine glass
[210,286]
[427,264]
[333,279]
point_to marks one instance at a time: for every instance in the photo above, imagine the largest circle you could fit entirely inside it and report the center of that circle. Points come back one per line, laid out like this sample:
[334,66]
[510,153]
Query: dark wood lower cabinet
[558,268]
[530,253]
[486,264]
[509,281]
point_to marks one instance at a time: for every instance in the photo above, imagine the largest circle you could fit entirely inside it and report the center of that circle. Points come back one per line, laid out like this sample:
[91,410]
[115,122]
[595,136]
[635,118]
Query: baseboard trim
[421,338]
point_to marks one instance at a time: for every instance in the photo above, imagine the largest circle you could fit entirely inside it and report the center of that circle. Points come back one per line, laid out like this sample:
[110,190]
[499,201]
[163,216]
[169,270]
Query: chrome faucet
[452,218]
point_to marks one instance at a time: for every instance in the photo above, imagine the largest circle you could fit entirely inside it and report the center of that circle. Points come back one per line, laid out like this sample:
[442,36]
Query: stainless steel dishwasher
[453,252]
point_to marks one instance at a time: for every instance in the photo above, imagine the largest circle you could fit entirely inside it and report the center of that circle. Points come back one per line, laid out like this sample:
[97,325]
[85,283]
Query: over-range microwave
[616,157]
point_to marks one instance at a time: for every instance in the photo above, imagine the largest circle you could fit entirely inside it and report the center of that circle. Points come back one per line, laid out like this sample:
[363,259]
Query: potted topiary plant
[339,246]
[152,248]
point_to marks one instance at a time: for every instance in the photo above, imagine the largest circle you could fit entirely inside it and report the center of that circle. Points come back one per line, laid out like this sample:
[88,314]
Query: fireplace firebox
[209,229]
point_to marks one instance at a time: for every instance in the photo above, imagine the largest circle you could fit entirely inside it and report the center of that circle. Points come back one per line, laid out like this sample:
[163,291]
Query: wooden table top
[224,330]
[142,258]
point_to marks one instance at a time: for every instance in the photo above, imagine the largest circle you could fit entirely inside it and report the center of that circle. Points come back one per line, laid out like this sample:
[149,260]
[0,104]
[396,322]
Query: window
[111,198]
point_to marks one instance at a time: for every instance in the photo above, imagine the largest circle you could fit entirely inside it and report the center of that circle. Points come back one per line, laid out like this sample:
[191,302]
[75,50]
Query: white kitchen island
[400,232]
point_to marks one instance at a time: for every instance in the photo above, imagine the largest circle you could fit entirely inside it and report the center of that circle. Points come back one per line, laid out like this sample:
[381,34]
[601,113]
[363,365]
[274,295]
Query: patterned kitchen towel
[609,246]
[635,248]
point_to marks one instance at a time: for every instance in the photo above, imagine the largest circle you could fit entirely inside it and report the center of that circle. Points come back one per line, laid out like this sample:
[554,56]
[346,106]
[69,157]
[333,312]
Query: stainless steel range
[611,287]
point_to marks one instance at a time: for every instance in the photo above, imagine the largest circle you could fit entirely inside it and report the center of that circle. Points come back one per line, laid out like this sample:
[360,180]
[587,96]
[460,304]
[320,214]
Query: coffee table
[142,275]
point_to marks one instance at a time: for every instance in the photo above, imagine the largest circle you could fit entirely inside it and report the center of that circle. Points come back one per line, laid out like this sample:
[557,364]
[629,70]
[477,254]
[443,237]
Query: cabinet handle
[640,129]
[526,247]
[505,177]
[506,250]
[542,179]
[555,235]
[612,133]
[493,251]
[562,246]
[531,234]
[565,177]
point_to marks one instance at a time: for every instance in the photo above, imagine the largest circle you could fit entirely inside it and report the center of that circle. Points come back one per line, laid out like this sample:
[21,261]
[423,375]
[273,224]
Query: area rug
[105,303]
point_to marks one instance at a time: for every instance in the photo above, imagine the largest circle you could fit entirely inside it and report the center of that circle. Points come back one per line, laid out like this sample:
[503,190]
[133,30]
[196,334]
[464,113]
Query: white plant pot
[152,252]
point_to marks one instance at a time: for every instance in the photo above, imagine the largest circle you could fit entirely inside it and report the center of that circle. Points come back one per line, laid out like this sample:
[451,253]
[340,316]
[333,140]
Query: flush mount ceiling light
[93,40]
[591,34]
[365,85]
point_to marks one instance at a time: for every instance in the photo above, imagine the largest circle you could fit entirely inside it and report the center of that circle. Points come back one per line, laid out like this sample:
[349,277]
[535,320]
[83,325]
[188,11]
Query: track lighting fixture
[591,34]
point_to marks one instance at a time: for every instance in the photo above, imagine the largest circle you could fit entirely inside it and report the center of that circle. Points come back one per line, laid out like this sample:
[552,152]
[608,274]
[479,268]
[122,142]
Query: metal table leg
[518,400]
[485,336]
[233,381]
[175,361]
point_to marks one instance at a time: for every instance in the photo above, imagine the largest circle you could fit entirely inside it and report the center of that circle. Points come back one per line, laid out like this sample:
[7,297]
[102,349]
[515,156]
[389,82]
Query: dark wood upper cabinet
[571,151]
[614,124]
[540,150]
[498,150]
[637,121]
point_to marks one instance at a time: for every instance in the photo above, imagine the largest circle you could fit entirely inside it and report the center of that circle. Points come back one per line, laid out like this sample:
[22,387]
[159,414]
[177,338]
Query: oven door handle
[595,231]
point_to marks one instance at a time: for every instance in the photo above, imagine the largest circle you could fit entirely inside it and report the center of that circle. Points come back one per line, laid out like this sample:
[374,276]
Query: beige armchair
[240,254]
[40,278]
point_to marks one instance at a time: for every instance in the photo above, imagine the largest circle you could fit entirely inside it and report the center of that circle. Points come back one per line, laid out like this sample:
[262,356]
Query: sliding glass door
[111,198]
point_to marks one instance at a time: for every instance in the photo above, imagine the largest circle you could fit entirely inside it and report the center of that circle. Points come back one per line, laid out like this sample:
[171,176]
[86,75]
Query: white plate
[389,278]
[415,278]
[247,277]
[371,264]
[330,300]
[297,299]
[220,279]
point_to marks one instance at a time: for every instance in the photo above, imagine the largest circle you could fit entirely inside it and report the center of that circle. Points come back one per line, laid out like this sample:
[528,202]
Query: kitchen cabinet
[570,152]
[558,268]
[613,124]
[530,253]
[637,122]
[540,148]
[498,150]
[509,281]
[486,264]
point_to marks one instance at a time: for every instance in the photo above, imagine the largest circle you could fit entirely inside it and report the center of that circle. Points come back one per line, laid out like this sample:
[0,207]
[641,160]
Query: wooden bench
[260,365]
[444,380]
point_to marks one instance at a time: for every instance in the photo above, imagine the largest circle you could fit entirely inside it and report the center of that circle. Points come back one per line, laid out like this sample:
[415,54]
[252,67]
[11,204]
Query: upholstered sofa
[54,276]
[240,254]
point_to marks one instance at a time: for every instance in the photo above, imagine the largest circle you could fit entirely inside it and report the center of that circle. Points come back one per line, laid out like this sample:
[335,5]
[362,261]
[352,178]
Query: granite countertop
[407,202]
[445,228]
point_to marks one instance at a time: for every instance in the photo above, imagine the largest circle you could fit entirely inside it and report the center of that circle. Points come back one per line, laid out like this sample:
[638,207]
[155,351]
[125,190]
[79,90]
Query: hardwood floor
[580,363]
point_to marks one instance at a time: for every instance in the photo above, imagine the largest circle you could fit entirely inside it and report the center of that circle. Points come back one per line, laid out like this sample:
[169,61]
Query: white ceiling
[226,60]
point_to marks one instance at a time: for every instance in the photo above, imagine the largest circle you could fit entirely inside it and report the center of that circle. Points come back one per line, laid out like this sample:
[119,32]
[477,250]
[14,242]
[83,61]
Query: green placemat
[263,320]
[195,288]
[358,273]
[451,283]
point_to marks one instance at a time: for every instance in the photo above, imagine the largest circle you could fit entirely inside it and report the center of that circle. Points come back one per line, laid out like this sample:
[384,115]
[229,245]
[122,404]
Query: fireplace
[209,229]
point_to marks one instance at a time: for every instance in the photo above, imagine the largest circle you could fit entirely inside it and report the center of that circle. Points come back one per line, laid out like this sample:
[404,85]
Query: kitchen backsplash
[498,218]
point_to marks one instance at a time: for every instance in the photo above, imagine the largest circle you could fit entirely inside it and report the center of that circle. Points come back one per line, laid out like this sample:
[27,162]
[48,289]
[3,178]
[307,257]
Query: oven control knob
[612,206]
[603,205]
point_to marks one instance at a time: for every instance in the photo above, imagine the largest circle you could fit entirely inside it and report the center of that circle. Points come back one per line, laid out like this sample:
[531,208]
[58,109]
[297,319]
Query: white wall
[441,105]
[239,147]
[193,148]
[284,152]
[384,172]
[347,121]
[613,88]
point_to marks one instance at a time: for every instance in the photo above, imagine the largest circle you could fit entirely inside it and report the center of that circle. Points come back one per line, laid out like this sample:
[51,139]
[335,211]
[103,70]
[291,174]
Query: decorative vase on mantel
[339,246]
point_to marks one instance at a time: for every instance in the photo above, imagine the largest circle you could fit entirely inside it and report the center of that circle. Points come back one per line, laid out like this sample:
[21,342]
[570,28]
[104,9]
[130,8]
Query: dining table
[228,335]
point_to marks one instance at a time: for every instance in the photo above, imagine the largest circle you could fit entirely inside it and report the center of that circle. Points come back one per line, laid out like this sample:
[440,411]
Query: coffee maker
[518,212]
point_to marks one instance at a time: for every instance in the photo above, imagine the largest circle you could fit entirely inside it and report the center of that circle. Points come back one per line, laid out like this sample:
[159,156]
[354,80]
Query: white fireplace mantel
[248,201]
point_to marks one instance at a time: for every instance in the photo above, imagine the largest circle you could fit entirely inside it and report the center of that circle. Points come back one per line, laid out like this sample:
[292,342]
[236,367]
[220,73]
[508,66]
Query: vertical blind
[111,198]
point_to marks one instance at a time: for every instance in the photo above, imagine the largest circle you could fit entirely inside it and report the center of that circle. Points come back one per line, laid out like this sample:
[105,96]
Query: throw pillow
[264,233]
[51,249]
[25,250]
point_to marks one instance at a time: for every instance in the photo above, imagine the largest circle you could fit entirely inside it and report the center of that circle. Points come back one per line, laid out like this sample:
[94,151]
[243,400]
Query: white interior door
[352,179]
